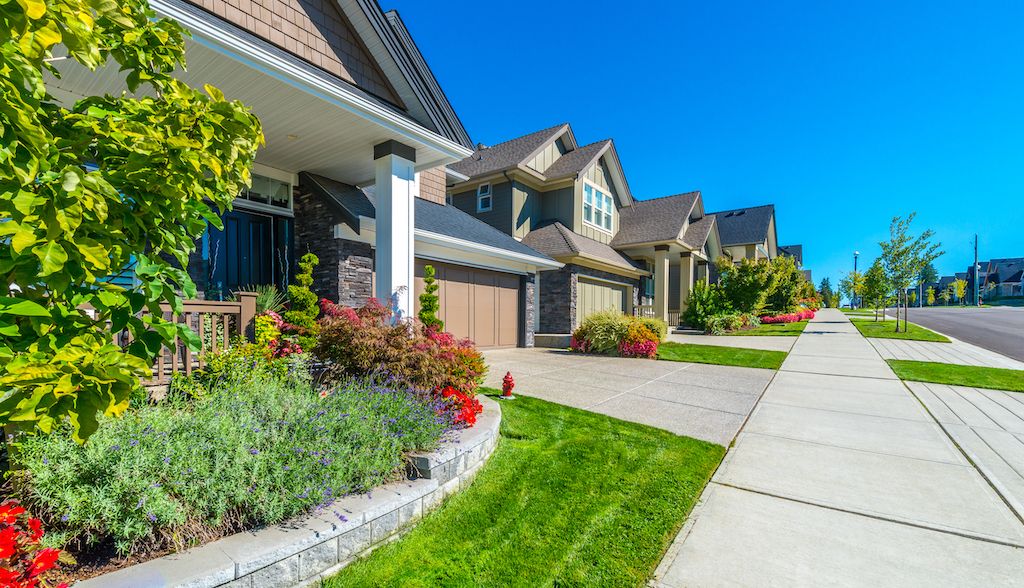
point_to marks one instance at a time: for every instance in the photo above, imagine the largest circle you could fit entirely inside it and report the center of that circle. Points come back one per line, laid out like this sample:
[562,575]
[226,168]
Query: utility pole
[977,294]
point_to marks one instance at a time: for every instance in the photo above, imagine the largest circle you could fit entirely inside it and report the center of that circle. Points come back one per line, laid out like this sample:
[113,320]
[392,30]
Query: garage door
[480,304]
[593,296]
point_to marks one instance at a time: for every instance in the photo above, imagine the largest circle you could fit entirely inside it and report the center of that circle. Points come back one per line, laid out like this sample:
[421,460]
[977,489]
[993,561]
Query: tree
[876,287]
[930,296]
[947,294]
[746,284]
[789,281]
[913,297]
[904,257]
[825,289]
[852,286]
[113,182]
[430,302]
[960,289]
[927,275]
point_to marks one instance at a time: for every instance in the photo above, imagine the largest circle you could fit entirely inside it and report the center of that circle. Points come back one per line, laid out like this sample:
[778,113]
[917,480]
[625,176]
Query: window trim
[599,225]
[480,195]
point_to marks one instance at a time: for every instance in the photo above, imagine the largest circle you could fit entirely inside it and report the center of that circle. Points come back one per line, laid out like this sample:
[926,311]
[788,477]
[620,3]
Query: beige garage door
[475,303]
[593,296]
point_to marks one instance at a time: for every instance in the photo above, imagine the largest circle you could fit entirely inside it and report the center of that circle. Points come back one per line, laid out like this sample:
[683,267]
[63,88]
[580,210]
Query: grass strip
[959,375]
[735,356]
[887,330]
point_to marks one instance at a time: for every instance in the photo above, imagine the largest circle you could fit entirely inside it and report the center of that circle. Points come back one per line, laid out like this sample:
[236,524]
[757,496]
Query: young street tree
[161,165]
[852,286]
[927,275]
[946,295]
[904,257]
[876,287]
[960,289]
[930,296]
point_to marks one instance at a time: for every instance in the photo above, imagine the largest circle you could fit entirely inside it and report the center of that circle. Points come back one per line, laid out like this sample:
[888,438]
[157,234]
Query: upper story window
[484,199]
[597,207]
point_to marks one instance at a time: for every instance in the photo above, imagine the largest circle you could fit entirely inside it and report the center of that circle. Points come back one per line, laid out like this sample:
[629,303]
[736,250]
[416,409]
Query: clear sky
[841,114]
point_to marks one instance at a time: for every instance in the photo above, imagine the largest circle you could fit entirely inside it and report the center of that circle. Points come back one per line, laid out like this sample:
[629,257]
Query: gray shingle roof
[505,155]
[794,251]
[429,216]
[743,226]
[574,161]
[658,219]
[555,240]
[697,233]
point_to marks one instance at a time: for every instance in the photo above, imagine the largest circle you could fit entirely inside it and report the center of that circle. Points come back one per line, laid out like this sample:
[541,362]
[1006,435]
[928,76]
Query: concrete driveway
[708,402]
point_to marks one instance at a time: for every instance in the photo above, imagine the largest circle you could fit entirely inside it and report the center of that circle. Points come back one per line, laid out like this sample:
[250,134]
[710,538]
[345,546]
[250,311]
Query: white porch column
[685,279]
[661,282]
[395,192]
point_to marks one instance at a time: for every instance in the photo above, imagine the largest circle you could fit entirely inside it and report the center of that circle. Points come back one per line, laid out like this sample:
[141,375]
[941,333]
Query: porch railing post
[247,314]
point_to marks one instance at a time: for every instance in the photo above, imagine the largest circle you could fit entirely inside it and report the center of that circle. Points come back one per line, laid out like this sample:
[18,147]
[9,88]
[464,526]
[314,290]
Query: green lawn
[774,330]
[887,330]
[755,358]
[959,375]
[569,498]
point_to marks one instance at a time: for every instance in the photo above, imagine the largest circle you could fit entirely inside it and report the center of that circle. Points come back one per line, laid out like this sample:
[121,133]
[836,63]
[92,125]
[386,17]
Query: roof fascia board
[219,36]
[551,139]
[618,174]
[595,263]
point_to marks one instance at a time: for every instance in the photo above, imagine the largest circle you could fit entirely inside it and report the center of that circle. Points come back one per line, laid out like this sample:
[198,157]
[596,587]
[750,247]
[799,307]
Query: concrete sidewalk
[841,478]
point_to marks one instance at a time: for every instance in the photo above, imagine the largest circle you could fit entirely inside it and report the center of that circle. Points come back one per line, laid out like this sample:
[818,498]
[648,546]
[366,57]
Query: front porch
[673,275]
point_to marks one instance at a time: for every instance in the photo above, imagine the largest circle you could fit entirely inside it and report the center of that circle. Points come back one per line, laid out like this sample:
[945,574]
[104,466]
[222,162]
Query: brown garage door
[480,304]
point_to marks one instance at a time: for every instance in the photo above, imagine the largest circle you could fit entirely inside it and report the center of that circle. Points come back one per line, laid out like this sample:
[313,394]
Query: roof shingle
[505,155]
[743,226]
[555,240]
[574,161]
[658,219]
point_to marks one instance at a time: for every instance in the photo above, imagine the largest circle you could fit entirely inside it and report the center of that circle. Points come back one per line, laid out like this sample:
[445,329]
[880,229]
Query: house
[797,253]
[997,278]
[572,203]
[358,139]
[749,233]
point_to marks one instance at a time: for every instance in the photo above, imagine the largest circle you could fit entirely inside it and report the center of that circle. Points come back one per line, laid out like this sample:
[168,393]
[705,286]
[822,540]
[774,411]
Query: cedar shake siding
[432,185]
[313,30]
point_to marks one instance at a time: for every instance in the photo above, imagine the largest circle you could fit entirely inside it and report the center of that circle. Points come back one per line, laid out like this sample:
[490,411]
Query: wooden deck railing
[216,323]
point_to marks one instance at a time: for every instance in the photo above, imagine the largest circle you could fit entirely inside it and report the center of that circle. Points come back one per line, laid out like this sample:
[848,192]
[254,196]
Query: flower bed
[793,317]
[253,449]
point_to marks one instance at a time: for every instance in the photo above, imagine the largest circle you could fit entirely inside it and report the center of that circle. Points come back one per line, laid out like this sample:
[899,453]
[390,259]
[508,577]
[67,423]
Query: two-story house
[358,134]
[749,233]
[572,203]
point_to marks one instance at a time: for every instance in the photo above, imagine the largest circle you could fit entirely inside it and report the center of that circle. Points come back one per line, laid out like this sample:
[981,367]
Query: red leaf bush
[793,317]
[23,561]
[365,340]
[612,333]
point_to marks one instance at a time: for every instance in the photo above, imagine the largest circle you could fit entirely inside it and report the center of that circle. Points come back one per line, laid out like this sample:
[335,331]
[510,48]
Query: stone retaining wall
[307,549]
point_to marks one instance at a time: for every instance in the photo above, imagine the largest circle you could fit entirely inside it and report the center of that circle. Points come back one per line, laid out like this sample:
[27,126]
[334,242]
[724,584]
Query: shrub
[268,297]
[430,302]
[790,317]
[721,324]
[656,325]
[705,301]
[613,332]
[254,450]
[363,341]
[302,302]
[788,285]
[23,560]
[747,284]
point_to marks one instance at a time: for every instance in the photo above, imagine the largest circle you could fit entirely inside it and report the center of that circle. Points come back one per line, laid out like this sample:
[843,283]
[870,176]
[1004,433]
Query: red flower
[44,560]
[8,542]
[9,512]
[37,529]
[8,577]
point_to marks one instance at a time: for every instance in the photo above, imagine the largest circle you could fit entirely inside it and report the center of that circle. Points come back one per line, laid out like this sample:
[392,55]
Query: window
[269,191]
[484,200]
[597,208]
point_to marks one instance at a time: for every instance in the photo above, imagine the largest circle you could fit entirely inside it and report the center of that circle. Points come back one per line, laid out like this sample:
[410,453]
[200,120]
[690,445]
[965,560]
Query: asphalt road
[999,329]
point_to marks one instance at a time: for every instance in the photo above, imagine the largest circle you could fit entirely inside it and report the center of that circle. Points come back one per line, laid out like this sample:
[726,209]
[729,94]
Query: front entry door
[243,253]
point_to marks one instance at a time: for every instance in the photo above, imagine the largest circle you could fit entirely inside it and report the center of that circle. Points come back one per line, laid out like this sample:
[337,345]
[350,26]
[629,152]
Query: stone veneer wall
[558,295]
[346,267]
[308,549]
[528,316]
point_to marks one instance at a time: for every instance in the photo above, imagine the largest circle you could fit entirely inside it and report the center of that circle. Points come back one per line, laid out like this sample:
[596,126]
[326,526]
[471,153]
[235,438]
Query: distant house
[998,278]
[572,203]
[749,233]
[797,253]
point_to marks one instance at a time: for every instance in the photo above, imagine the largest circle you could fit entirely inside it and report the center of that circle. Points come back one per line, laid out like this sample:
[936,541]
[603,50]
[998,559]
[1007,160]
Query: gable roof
[353,202]
[743,226]
[794,251]
[556,240]
[698,232]
[657,219]
[576,160]
[509,154]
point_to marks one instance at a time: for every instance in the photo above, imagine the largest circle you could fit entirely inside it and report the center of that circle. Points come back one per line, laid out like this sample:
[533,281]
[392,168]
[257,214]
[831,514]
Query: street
[999,329]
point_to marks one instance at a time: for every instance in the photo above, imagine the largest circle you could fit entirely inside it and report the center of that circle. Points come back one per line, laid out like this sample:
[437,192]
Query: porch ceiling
[306,128]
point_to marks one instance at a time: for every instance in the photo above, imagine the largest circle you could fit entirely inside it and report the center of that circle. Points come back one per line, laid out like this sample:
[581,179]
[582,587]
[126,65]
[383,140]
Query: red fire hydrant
[507,383]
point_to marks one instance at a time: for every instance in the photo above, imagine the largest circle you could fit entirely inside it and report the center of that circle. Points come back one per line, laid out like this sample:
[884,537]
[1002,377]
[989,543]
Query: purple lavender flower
[64,518]
[141,502]
[151,517]
[167,460]
[254,451]
[133,442]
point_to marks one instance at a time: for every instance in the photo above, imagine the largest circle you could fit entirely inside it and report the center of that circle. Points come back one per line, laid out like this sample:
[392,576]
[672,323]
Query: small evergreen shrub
[430,302]
[705,301]
[302,302]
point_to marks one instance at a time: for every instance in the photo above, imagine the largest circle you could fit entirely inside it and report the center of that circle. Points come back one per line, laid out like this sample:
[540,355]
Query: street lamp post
[853,298]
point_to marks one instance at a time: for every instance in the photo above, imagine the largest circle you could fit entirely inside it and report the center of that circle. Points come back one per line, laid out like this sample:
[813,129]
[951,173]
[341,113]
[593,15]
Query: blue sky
[841,114]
